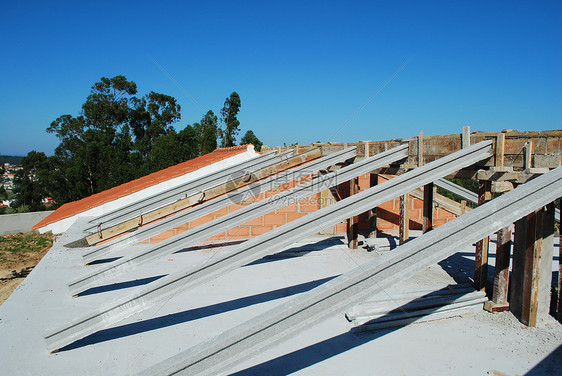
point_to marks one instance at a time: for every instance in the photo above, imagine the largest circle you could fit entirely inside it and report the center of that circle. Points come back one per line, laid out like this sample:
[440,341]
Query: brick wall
[388,214]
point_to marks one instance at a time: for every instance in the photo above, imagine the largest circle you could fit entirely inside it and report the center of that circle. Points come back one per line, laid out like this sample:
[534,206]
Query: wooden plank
[463,208]
[373,180]
[500,149]
[481,256]
[528,155]
[502,186]
[501,276]
[559,316]
[531,274]
[465,141]
[353,222]
[427,224]
[404,220]
[420,149]
[201,197]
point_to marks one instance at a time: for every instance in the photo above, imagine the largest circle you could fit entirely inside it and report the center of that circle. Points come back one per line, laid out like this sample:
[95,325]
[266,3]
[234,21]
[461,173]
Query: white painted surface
[62,225]
[20,223]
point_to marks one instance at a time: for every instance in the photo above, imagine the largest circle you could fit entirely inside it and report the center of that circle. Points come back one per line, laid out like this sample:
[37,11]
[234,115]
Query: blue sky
[302,69]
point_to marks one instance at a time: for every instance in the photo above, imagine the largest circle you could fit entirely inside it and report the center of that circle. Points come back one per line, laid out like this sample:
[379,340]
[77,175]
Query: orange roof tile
[75,207]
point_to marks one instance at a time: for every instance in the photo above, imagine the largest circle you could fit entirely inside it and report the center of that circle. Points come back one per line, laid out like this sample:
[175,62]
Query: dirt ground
[19,254]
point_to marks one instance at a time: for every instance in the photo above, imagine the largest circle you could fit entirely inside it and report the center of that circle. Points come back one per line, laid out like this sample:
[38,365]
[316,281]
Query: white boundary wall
[20,223]
[63,225]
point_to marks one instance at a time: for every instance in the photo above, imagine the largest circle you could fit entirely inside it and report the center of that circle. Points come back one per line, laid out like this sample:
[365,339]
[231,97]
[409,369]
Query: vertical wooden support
[481,256]
[427,224]
[518,267]
[404,221]
[532,266]
[463,207]
[531,275]
[373,180]
[353,222]
[559,310]
[528,155]
[465,140]
[500,149]
[501,277]
[420,148]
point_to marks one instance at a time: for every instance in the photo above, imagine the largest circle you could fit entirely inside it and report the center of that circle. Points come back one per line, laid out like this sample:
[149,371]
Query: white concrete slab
[473,345]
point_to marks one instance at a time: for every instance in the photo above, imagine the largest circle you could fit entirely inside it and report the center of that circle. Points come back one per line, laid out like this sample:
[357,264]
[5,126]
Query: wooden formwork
[518,157]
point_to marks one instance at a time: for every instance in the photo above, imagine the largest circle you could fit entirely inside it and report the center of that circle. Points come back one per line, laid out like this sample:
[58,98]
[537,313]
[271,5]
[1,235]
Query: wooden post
[427,224]
[373,180]
[531,275]
[559,310]
[501,278]
[481,256]
[404,221]
[528,155]
[532,266]
[465,140]
[353,222]
[427,208]
[420,148]
[463,207]
[500,149]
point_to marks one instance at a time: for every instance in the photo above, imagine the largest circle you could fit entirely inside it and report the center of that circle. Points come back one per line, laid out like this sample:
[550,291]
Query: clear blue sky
[302,69]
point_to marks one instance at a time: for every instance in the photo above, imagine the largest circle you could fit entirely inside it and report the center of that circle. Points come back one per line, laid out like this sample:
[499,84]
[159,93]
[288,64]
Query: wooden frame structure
[518,157]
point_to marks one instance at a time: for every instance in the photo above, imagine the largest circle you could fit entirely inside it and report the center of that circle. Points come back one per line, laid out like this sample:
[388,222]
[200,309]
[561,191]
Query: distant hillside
[12,159]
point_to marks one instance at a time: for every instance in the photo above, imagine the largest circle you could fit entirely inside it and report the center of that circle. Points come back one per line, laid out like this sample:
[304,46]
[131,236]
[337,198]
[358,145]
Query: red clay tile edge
[75,207]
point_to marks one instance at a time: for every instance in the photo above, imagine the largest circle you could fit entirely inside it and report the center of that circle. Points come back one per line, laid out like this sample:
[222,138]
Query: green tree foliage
[228,116]
[11,159]
[110,142]
[117,137]
[251,138]
[207,133]
[29,192]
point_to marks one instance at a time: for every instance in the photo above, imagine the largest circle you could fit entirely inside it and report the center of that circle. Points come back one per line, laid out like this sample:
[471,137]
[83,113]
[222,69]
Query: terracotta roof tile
[72,208]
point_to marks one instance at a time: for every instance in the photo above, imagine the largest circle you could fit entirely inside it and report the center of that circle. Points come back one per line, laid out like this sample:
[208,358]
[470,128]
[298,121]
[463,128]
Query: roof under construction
[244,269]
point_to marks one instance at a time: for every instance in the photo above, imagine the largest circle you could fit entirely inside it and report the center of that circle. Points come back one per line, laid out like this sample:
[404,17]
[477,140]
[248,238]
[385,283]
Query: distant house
[48,201]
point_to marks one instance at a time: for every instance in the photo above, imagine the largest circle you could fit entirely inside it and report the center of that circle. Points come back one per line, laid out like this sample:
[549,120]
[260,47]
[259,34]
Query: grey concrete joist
[470,196]
[220,354]
[268,243]
[218,203]
[463,193]
[238,217]
[156,201]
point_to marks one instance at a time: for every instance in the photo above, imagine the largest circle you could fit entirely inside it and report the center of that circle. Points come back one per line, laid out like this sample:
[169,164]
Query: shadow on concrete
[210,246]
[318,352]
[120,285]
[551,365]
[302,250]
[460,267]
[192,314]
[103,261]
